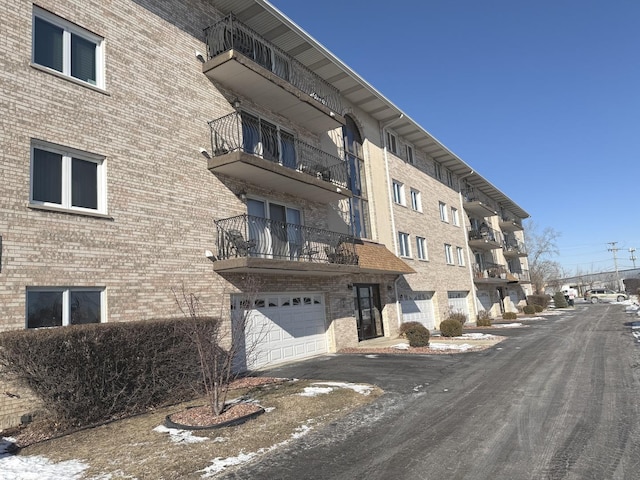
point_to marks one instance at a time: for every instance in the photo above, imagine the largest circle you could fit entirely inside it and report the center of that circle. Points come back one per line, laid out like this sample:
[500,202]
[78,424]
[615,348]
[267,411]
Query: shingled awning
[376,258]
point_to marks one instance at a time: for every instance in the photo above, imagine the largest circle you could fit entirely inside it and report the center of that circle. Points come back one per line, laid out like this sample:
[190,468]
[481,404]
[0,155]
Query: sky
[541,98]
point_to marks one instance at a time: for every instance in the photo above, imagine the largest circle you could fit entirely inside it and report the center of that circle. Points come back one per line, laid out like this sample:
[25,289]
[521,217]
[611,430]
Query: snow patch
[180,436]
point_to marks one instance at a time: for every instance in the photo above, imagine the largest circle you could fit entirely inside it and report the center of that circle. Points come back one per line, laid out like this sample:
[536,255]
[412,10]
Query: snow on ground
[36,467]
[507,325]
[180,436]
[463,347]
[401,346]
[321,388]
[478,336]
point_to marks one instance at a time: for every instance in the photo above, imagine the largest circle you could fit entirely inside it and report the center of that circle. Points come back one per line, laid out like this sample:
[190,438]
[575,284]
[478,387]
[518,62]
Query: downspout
[390,198]
[466,243]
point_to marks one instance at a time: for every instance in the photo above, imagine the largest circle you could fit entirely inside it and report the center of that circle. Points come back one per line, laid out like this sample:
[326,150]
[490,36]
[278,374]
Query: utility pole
[615,249]
[632,251]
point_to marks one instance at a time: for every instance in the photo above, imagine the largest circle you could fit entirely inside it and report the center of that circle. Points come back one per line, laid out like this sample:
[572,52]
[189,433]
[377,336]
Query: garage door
[284,327]
[458,302]
[418,307]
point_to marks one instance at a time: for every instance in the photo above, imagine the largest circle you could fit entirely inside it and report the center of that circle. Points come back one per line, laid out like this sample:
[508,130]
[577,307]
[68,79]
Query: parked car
[596,295]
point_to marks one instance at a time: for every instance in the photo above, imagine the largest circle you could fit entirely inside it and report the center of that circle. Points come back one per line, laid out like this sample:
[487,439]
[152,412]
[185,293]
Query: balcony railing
[514,247]
[485,234]
[229,33]
[489,271]
[250,236]
[252,135]
[522,276]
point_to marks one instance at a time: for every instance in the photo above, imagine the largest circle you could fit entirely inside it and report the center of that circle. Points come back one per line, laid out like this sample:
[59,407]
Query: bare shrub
[484,319]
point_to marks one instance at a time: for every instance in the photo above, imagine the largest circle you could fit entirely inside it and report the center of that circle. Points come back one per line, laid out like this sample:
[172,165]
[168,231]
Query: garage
[418,307]
[458,303]
[283,327]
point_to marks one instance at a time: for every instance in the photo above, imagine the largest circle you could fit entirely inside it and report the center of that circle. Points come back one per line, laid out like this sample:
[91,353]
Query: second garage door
[284,327]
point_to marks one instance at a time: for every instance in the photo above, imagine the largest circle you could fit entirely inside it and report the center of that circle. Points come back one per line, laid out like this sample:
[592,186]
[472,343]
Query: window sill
[55,73]
[82,213]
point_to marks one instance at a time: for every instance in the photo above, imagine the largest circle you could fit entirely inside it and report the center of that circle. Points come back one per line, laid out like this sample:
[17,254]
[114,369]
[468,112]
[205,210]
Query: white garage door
[458,302]
[284,327]
[418,307]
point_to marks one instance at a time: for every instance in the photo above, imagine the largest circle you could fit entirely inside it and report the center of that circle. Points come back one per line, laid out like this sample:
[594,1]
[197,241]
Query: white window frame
[448,254]
[398,193]
[421,248]
[460,253]
[438,170]
[416,200]
[66,304]
[410,156]
[455,217]
[404,246]
[444,216]
[392,142]
[449,178]
[68,30]
[68,154]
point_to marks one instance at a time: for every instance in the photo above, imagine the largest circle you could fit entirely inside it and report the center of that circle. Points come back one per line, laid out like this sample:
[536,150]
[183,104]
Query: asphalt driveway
[557,399]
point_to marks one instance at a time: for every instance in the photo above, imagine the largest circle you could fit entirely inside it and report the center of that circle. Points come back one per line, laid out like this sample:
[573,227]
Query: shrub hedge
[457,316]
[90,373]
[484,319]
[559,300]
[416,333]
[529,309]
[538,308]
[542,300]
[509,315]
[450,328]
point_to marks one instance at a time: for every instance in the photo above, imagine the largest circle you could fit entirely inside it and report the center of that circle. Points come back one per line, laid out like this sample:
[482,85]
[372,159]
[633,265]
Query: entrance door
[368,310]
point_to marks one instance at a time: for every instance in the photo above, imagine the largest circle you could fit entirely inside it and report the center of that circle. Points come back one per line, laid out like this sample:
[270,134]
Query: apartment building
[213,146]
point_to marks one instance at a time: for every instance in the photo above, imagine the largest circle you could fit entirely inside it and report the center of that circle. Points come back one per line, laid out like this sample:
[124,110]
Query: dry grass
[130,448]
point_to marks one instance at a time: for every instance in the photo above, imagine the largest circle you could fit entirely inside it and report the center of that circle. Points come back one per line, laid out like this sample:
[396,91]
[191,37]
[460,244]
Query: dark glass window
[47,48]
[44,309]
[47,176]
[84,179]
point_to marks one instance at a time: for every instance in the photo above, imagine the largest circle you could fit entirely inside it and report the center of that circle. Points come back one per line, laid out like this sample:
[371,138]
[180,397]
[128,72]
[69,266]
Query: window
[403,244]
[67,48]
[438,170]
[448,254]
[269,141]
[443,212]
[455,219]
[67,178]
[410,154]
[392,143]
[449,178]
[398,193]
[416,201]
[421,248]
[460,253]
[55,307]
[359,205]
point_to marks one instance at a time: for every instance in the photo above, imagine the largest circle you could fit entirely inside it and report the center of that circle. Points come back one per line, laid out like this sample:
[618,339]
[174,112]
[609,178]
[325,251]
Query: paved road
[559,399]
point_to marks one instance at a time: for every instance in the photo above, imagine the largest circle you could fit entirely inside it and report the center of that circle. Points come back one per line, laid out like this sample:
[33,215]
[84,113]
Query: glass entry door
[368,310]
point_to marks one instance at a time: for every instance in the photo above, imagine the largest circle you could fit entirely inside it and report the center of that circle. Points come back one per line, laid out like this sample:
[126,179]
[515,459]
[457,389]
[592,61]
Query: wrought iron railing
[515,246]
[489,271]
[508,219]
[229,34]
[253,135]
[485,233]
[251,236]
[470,194]
[522,276]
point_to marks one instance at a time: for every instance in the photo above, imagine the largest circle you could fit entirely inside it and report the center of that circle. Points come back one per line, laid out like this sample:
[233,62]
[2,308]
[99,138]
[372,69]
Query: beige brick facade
[149,124]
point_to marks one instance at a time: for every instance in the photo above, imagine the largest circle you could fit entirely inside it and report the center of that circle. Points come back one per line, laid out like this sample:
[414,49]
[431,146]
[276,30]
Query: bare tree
[542,247]
[219,342]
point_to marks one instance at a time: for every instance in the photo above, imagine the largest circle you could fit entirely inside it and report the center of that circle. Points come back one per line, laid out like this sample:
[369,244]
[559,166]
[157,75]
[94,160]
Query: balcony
[508,224]
[521,276]
[243,61]
[250,149]
[258,245]
[489,273]
[513,248]
[485,238]
[474,205]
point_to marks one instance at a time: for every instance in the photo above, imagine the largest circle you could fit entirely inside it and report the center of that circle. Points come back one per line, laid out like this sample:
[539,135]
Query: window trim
[410,155]
[455,217]
[421,248]
[392,142]
[69,29]
[66,307]
[448,254]
[398,193]
[404,245]
[444,214]
[416,200]
[460,254]
[68,154]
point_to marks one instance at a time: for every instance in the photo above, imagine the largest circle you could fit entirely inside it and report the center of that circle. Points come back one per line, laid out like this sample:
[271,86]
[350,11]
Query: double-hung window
[455,218]
[67,178]
[58,306]
[437,170]
[66,48]
[460,253]
[421,248]
[448,254]
[444,216]
[403,244]
[398,192]
[392,143]
[410,154]
[416,201]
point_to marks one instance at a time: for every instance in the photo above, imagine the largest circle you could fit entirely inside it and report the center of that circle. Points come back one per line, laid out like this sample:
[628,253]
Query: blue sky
[541,97]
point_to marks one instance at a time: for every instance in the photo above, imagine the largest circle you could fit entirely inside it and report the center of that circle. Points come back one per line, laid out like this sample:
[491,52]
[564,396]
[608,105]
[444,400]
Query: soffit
[269,22]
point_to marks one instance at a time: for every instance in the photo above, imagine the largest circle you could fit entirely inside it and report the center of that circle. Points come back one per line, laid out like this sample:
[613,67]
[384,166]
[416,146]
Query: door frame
[371,313]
